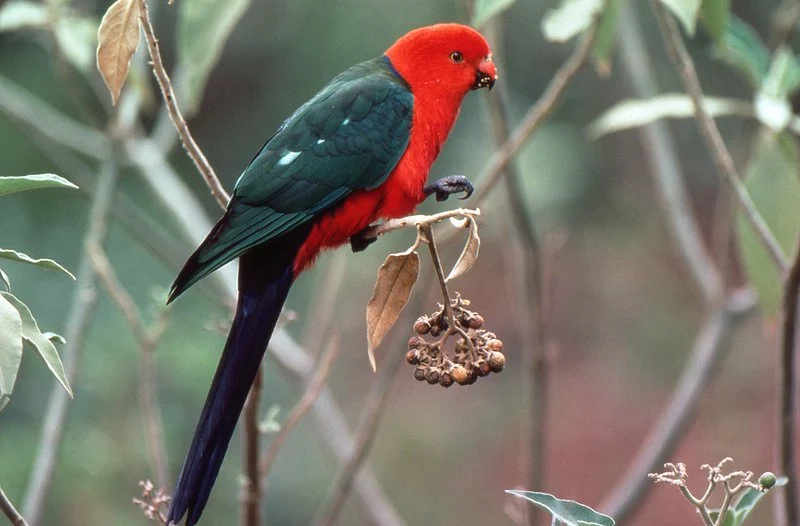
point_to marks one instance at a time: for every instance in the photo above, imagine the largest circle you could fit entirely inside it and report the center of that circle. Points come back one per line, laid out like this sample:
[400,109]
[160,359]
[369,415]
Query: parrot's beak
[487,74]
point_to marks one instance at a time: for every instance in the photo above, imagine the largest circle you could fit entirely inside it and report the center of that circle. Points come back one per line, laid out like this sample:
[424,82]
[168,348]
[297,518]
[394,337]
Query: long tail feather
[263,289]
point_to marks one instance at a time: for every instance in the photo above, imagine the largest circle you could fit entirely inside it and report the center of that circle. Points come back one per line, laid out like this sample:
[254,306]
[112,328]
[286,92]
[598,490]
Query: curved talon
[452,184]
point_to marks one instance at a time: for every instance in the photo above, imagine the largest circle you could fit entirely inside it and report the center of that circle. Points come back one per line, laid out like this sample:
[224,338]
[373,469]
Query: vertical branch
[10,511]
[788,391]
[80,315]
[251,486]
[711,134]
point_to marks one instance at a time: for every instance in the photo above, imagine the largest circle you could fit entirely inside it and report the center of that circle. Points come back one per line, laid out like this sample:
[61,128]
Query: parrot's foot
[360,242]
[446,186]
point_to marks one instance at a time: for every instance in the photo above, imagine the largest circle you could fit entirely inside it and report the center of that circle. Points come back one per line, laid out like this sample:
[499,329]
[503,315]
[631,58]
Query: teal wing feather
[348,137]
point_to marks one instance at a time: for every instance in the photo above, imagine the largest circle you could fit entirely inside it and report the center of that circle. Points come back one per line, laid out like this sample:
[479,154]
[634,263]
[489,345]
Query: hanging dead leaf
[396,278]
[469,254]
[117,38]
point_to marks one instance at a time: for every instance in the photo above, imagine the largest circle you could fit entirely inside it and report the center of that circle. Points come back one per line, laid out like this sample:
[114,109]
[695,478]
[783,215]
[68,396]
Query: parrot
[357,152]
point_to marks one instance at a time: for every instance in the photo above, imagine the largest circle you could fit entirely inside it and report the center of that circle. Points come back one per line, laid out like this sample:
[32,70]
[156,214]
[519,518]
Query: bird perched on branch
[358,151]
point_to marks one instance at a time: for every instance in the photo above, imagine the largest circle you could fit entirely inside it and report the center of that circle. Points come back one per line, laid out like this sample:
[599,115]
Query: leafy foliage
[571,18]
[686,11]
[46,264]
[566,512]
[10,349]
[714,16]
[11,184]
[742,48]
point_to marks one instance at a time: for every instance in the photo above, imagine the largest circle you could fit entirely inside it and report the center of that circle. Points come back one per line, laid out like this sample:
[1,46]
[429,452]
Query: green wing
[348,137]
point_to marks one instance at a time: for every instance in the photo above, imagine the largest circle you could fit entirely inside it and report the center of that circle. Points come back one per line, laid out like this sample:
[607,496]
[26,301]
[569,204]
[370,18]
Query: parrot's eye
[456,57]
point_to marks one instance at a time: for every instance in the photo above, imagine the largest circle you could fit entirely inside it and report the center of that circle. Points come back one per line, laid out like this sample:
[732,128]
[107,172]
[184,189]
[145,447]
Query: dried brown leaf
[469,254]
[117,38]
[396,278]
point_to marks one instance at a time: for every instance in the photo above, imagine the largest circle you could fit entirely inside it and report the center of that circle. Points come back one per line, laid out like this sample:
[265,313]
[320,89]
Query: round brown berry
[460,374]
[422,325]
[495,345]
[445,380]
[432,376]
[412,357]
[475,322]
[483,368]
[436,330]
[497,361]
[415,342]
[419,374]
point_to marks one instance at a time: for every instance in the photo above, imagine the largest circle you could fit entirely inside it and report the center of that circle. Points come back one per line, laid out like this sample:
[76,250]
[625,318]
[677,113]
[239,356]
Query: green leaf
[771,178]
[77,39]
[9,185]
[5,280]
[47,264]
[571,18]
[714,16]
[10,349]
[22,15]
[637,112]
[739,511]
[606,37]
[686,11]
[485,10]
[203,29]
[742,48]
[568,512]
[32,334]
[772,104]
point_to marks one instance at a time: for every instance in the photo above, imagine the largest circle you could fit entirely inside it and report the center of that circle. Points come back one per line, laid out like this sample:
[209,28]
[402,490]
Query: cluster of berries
[477,352]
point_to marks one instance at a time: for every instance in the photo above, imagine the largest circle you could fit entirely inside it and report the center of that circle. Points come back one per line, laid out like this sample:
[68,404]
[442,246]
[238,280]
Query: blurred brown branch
[10,511]
[711,135]
[252,491]
[147,339]
[787,421]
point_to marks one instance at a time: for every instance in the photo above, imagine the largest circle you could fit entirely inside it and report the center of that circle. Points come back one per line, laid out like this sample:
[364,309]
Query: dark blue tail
[263,286]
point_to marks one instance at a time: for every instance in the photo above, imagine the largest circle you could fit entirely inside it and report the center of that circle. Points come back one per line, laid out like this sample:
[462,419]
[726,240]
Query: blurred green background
[624,310]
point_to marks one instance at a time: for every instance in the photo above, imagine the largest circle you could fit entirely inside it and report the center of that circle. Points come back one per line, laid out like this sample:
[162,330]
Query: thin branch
[189,144]
[10,511]
[665,167]
[80,315]
[301,408]
[251,484]
[494,168]
[787,431]
[711,134]
[706,355]
[147,339]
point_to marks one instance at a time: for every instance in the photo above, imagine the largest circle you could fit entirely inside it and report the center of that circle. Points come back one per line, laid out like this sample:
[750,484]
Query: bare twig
[80,314]
[416,220]
[302,406]
[665,168]
[251,485]
[189,144]
[711,134]
[494,168]
[10,511]
[705,357]
[787,431]
[147,339]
